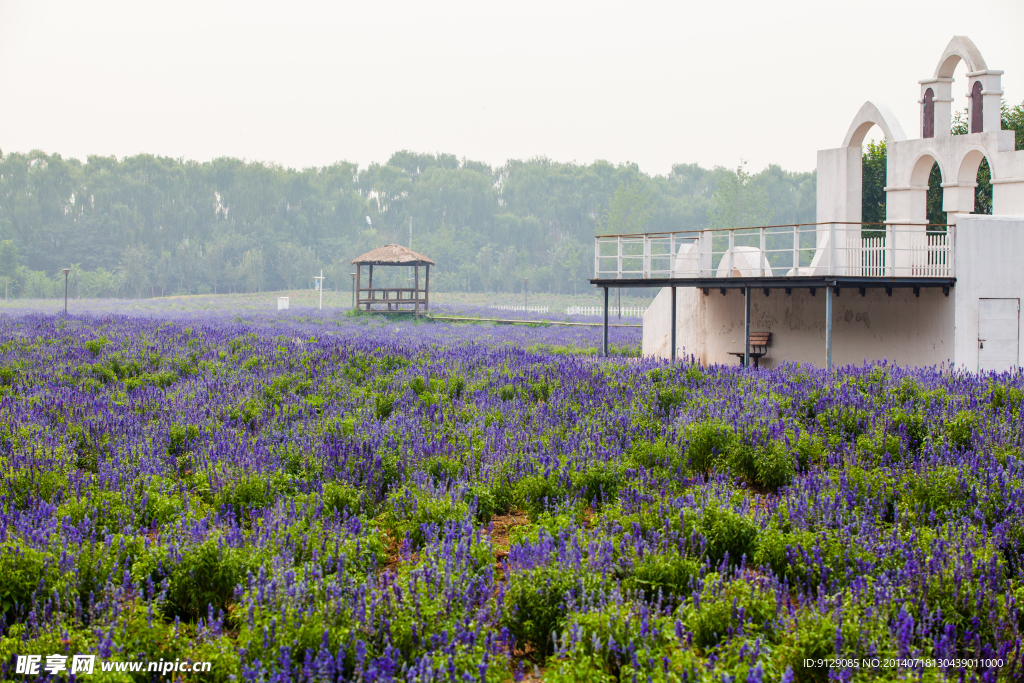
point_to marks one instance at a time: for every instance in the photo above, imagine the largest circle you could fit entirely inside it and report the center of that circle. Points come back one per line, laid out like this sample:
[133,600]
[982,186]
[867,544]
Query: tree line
[149,226]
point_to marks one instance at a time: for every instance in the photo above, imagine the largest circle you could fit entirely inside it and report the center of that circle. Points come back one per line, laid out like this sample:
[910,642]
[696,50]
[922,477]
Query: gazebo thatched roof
[392,255]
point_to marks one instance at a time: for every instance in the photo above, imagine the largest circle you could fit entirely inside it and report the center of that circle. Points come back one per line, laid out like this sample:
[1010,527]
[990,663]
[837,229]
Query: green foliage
[383,404]
[670,398]
[722,609]
[23,570]
[761,461]
[667,575]
[705,442]
[537,608]
[960,428]
[644,453]
[537,492]
[95,346]
[598,482]
[628,211]
[739,201]
[727,533]
[150,229]
[206,575]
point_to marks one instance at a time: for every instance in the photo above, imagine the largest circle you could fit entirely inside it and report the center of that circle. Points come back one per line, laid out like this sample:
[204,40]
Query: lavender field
[316,497]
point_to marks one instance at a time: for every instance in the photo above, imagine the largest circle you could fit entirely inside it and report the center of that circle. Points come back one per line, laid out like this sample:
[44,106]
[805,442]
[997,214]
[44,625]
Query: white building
[844,292]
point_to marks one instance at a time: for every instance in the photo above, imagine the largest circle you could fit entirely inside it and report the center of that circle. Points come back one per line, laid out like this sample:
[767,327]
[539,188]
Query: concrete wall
[989,265]
[902,328]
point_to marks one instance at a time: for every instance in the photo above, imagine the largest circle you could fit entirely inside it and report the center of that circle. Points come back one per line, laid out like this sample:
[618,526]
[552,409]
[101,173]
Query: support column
[604,335]
[673,335]
[416,289]
[828,327]
[746,326]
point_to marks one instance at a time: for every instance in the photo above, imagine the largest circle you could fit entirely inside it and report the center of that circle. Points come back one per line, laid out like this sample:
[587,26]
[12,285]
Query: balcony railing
[812,250]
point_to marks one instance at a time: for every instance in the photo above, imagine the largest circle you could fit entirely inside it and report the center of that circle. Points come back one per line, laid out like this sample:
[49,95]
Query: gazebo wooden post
[416,289]
[370,298]
[426,291]
[359,285]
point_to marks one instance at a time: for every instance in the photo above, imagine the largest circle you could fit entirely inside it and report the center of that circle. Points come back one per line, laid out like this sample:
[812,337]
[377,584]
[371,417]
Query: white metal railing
[821,249]
[628,311]
[523,309]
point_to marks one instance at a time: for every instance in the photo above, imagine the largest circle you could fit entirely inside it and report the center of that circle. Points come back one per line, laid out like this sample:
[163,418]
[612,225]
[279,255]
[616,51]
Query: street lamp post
[353,290]
[66,271]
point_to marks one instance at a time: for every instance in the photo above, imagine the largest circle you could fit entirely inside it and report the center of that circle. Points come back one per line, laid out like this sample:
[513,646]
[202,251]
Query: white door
[998,332]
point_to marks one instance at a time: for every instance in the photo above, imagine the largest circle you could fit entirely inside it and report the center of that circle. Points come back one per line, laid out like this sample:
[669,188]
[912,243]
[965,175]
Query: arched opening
[975,168]
[977,120]
[927,174]
[933,201]
[928,124]
[874,169]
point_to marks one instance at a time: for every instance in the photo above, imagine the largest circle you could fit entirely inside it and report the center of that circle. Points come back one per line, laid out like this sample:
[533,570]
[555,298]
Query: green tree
[135,265]
[739,202]
[188,262]
[628,212]
[251,270]
[873,183]
[8,263]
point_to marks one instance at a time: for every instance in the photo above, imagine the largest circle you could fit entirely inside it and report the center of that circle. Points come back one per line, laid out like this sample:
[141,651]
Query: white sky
[305,83]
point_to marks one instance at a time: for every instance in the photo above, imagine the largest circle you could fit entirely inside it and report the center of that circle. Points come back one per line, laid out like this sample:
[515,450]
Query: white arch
[872,114]
[922,168]
[971,161]
[960,47]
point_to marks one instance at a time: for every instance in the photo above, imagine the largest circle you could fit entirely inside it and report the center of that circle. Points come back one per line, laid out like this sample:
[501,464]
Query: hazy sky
[304,83]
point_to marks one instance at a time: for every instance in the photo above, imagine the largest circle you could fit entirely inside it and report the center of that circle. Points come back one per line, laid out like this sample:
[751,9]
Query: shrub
[670,398]
[766,462]
[598,483]
[383,404]
[537,492]
[723,610]
[726,532]
[809,448]
[411,512]
[207,575]
[647,454]
[705,442]
[668,574]
[960,428]
[342,497]
[536,604]
[23,570]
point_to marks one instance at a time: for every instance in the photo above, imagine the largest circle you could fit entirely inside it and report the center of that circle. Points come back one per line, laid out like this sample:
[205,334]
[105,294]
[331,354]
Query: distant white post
[320,285]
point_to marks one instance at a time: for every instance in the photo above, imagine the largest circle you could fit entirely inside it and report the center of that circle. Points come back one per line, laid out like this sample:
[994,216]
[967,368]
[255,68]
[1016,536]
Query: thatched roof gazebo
[373,298]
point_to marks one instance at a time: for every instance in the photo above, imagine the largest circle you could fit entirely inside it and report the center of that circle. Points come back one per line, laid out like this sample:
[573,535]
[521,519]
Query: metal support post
[746,326]
[828,327]
[604,336]
[673,336]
